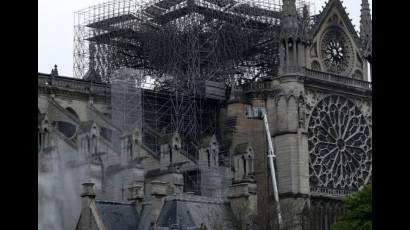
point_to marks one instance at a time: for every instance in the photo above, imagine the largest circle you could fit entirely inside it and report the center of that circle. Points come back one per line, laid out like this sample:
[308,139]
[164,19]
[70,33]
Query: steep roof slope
[117,216]
[192,211]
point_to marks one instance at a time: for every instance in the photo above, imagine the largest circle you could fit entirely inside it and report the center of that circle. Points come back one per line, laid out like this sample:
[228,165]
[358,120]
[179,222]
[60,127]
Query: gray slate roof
[147,216]
[191,211]
[117,216]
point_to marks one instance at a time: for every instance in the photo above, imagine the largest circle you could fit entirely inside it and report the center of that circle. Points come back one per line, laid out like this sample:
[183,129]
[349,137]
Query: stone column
[242,197]
[136,196]
[158,193]
[88,195]
[289,140]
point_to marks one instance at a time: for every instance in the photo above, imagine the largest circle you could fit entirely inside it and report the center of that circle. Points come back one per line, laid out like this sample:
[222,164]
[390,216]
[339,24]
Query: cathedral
[161,125]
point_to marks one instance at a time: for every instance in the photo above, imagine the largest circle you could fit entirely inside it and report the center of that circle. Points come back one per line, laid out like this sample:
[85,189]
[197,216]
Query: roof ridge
[113,202]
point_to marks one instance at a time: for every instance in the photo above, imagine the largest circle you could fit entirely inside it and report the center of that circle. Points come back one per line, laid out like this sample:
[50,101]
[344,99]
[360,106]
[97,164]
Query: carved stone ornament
[340,145]
[336,51]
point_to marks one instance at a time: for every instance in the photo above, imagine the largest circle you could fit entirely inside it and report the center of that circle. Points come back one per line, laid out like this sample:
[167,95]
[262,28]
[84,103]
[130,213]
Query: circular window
[336,51]
[340,146]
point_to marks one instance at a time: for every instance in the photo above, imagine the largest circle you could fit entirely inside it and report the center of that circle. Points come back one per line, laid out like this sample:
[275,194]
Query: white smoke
[59,187]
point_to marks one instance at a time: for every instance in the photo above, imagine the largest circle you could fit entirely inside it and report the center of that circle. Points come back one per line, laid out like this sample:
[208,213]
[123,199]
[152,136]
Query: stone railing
[337,79]
[74,84]
[310,74]
[258,85]
[330,192]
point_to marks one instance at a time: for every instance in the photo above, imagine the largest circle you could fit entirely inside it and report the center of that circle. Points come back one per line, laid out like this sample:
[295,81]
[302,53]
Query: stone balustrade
[78,85]
[330,192]
[311,75]
[337,79]
[259,85]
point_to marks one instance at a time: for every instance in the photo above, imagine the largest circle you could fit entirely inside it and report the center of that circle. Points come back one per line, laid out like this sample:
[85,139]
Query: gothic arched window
[244,165]
[88,144]
[94,143]
[170,154]
[209,158]
[45,137]
[129,146]
[250,163]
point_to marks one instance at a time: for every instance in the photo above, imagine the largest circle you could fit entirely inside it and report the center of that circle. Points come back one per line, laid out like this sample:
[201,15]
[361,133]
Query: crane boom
[272,155]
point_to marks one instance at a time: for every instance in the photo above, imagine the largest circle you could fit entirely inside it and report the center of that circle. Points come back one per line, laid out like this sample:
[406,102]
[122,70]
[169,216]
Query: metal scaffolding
[190,51]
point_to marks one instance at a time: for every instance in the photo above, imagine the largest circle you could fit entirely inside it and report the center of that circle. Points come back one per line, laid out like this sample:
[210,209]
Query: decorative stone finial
[289,19]
[54,71]
[305,11]
[366,29]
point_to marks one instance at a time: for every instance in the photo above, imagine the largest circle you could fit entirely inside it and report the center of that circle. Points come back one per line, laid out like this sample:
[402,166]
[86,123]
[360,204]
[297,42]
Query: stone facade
[318,115]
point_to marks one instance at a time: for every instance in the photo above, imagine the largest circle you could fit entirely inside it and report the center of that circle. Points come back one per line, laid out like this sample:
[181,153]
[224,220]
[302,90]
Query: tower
[285,109]
[292,40]
[319,112]
[366,30]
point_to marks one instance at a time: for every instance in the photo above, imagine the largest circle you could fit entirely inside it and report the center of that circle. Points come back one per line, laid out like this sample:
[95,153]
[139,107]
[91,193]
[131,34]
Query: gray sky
[56,25]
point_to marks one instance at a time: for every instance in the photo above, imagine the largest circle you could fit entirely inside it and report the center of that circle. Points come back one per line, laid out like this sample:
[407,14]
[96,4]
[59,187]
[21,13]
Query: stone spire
[289,20]
[293,42]
[366,29]
[92,50]
[54,71]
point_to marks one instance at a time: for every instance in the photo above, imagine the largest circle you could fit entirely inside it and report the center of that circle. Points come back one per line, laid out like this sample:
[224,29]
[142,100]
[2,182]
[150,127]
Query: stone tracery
[340,146]
[336,51]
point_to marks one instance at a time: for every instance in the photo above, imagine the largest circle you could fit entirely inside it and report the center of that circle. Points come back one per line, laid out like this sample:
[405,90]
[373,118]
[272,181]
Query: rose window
[340,147]
[336,50]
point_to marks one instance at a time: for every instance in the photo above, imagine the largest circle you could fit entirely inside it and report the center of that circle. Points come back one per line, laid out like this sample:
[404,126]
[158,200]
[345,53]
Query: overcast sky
[56,25]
